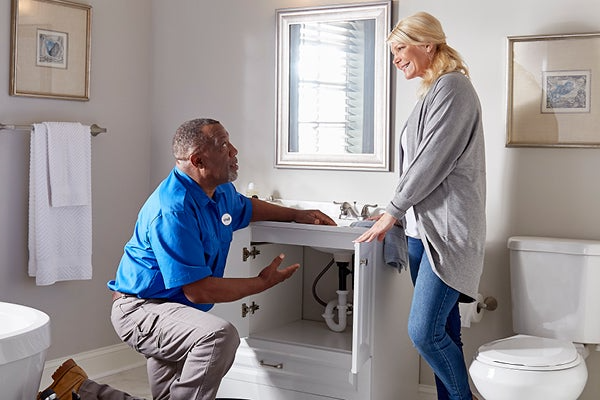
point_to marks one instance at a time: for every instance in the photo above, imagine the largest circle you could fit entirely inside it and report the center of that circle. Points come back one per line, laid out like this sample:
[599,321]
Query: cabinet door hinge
[249,309]
[249,253]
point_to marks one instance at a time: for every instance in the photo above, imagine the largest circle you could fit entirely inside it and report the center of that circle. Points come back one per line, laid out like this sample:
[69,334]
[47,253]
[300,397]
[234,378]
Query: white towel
[69,169]
[60,237]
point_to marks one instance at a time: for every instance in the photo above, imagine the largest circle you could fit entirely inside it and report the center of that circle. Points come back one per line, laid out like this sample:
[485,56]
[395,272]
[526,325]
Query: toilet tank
[555,287]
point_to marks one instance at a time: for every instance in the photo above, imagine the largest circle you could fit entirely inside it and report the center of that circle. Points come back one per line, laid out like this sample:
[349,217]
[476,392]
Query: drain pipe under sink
[342,308]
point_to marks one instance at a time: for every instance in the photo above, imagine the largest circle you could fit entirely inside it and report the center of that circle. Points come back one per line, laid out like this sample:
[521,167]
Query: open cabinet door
[279,305]
[362,335]
[238,266]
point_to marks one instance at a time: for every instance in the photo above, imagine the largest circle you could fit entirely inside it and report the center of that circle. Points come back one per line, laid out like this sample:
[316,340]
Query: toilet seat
[532,353]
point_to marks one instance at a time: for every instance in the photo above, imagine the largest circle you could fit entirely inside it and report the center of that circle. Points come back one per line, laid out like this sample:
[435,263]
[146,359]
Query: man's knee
[228,338]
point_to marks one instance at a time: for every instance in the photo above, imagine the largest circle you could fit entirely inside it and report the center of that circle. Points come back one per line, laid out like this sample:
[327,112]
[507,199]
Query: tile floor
[133,381]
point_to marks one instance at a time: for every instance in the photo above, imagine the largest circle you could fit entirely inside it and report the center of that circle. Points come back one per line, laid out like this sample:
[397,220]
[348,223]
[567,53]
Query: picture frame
[552,91]
[50,49]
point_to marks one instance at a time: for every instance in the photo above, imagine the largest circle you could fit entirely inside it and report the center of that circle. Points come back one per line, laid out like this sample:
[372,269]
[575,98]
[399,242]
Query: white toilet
[555,287]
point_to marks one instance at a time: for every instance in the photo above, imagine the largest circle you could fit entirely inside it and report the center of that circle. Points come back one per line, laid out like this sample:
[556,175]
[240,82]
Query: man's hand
[222,290]
[271,275]
[265,211]
[315,217]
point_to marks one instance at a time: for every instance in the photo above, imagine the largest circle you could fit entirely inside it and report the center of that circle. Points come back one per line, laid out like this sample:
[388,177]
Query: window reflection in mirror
[333,87]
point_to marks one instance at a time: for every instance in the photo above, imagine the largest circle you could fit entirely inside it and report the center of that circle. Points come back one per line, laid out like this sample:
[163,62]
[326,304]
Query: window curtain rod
[95,130]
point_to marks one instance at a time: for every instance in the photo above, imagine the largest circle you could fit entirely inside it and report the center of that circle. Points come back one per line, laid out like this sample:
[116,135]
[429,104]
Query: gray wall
[120,102]
[158,63]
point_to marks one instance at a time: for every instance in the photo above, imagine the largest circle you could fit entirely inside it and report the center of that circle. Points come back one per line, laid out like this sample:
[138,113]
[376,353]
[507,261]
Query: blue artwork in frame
[52,49]
[566,91]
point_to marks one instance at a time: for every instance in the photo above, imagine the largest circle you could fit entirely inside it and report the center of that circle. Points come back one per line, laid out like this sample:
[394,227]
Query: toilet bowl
[529,367]
[24,340]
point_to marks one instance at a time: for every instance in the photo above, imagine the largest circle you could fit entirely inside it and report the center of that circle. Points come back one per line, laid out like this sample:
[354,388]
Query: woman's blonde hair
[423,28]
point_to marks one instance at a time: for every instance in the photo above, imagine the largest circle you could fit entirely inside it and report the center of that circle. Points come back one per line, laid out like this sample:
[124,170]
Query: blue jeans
[434,326]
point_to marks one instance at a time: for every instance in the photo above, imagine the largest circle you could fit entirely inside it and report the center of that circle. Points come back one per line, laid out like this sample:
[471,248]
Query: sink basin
[335,240]
[339,255]
[331,208]
[344,222]
[324,238]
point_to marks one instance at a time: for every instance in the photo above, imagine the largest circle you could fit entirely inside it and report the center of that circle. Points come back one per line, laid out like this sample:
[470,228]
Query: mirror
[333,87]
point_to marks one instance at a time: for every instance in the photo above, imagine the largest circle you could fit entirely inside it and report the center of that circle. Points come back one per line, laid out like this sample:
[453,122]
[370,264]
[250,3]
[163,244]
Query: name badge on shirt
[226,219]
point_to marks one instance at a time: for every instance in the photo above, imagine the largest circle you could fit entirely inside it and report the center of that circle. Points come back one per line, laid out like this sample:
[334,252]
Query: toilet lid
[530,353]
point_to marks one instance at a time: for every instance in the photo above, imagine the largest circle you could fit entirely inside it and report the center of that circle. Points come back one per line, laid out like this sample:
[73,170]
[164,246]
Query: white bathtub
[24,340]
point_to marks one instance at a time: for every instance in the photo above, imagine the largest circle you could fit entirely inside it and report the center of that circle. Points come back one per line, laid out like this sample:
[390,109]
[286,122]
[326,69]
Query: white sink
[344,221]
[330,208]
[322,236]
[339,255]
[336,240]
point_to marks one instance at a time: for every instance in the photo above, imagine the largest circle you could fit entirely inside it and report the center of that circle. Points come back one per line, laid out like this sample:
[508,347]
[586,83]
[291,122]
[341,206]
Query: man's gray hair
[189,137]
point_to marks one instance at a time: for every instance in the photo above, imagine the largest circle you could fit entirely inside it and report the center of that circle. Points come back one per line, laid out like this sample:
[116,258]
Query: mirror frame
[380,159]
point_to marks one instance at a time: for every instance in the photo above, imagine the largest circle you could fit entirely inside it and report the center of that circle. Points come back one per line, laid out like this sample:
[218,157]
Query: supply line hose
[314,285]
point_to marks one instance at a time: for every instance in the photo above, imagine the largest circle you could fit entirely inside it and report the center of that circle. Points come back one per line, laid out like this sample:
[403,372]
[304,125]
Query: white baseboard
[427,392]
[98,363]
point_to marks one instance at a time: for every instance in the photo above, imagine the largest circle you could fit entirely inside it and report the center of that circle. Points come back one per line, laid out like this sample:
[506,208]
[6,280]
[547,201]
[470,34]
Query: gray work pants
[91,390]
[188,351]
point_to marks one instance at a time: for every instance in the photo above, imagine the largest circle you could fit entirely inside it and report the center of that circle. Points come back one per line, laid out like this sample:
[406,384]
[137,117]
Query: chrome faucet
[365,213]
[347,210]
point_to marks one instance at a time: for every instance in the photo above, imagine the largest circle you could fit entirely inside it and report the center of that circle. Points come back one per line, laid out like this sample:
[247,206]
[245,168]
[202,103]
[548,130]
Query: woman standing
[440,197]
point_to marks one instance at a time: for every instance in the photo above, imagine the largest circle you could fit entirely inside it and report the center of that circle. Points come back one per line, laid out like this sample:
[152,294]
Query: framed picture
[553,90]
[50,49]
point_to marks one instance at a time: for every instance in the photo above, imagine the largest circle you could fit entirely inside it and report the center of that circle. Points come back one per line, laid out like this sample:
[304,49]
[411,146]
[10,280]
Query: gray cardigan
[445,181]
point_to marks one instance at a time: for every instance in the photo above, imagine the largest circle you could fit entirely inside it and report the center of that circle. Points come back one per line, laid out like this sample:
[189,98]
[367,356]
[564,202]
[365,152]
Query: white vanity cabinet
[285,355]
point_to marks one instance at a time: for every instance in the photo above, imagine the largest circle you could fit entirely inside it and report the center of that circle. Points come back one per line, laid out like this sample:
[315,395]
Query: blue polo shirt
[181,236]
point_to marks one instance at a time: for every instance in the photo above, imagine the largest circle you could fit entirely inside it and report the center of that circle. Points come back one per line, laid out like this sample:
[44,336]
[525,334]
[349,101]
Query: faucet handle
[342,203]
[365,213]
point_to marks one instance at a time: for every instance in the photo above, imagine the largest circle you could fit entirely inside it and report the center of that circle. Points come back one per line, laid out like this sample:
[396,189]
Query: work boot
[47,394]
[67,379]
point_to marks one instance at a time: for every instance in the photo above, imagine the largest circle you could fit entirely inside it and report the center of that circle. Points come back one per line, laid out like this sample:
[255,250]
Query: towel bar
[94,129]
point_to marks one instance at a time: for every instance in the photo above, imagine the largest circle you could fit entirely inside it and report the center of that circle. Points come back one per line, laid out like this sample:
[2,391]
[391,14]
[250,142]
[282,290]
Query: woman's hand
[383,224]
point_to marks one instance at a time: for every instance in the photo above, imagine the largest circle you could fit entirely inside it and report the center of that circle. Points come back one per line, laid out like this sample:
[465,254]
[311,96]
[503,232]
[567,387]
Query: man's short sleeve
[177,245]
